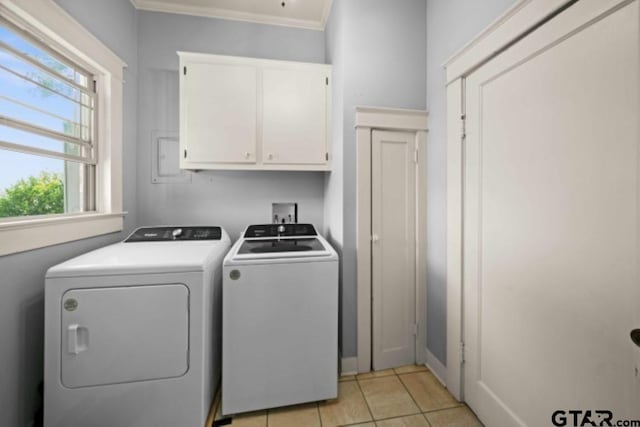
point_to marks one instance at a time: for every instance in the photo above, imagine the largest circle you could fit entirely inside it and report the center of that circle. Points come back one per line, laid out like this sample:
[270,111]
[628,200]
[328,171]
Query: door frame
[515,24]
[367,120]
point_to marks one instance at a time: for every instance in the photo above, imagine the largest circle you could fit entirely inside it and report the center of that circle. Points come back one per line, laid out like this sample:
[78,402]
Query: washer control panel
[276,230]
[172,234]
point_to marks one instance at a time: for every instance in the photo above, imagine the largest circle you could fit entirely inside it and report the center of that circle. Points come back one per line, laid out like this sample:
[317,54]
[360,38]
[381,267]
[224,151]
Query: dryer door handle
[77,339]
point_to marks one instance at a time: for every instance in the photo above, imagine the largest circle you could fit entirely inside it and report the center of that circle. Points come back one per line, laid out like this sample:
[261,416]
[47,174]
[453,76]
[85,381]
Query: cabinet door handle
[270,156]
[247,154]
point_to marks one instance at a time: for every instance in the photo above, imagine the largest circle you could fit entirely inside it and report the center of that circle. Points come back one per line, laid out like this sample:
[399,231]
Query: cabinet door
[294,116]
[219,107]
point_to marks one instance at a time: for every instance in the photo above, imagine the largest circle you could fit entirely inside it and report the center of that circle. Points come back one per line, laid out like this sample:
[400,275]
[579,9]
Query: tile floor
[409,396]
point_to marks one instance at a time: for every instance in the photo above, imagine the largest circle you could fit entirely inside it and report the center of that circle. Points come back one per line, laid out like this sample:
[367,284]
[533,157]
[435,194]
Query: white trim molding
[348,366]
[55,27]
[436,367]
[368,119]
[391,118]
[515,22]
[33,234]
[454,239]
[235,15]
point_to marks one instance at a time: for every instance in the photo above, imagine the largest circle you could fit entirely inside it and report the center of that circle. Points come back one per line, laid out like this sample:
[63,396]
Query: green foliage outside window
[39,195]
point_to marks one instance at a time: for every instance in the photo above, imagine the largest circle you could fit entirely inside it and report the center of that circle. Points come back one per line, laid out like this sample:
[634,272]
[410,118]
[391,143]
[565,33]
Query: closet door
[551,220]
[393,248]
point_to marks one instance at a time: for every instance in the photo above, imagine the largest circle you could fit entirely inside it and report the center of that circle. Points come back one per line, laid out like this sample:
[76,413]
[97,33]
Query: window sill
[23,235]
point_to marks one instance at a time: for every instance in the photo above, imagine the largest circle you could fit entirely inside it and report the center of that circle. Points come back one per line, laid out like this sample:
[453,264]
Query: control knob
[176,233]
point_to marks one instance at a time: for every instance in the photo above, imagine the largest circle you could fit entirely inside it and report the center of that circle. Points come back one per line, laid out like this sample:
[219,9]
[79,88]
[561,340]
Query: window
[47,129]
[60,129]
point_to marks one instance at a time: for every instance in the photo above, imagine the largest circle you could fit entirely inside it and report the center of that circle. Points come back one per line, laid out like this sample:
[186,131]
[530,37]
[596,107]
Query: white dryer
[132,331]
[280,319]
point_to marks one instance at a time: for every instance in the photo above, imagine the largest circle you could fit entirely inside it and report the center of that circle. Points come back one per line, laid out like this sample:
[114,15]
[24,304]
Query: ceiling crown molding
[213,12]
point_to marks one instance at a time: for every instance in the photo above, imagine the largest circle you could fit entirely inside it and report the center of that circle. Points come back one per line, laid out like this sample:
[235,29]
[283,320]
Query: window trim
[55,27]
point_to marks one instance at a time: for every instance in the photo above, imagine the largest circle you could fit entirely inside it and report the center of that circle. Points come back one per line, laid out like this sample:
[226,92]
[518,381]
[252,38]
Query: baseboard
[436,367]
[348,366]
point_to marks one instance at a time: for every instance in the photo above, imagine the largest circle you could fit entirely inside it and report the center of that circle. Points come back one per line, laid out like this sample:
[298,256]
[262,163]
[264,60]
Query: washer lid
[299,249]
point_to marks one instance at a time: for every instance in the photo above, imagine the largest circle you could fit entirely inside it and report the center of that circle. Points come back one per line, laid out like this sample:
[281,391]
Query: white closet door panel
[221,113]
[294,116]
[551,222]
[393,196]
[124,334]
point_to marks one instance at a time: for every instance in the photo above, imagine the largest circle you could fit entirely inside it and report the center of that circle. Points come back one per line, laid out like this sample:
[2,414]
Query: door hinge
[326,81]
[184,70]
[463,127]
[185,153]
[415,156]
[414,329]
[326,156]
[462,353]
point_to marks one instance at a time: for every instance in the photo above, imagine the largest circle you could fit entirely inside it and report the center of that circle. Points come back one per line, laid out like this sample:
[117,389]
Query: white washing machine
[132,331]
[280,319]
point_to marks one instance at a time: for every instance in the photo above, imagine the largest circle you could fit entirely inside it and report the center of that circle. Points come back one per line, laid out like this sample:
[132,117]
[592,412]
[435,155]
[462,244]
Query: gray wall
[378,49]
[22,275]
[450,25]
[233,199]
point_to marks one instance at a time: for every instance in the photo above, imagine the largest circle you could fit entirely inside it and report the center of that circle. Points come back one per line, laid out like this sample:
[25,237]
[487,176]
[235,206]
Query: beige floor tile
[427,391]
[410,368]
[387,398]
[410,421]
[250,419]
[347,378]
[349,408]
[454,417]
[376,374]
[294,416]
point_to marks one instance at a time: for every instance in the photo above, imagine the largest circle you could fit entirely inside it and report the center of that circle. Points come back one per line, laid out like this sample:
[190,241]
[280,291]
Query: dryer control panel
[172,234]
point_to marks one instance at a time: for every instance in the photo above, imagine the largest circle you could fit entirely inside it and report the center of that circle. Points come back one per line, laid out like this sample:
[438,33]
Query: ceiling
[311,14]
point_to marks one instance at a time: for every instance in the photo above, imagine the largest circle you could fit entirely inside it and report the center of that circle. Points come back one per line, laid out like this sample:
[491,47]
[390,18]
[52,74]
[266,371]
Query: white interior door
[551,220]
[393,250]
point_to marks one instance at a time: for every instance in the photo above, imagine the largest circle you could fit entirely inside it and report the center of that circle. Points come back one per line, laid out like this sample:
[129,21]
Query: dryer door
[124,334]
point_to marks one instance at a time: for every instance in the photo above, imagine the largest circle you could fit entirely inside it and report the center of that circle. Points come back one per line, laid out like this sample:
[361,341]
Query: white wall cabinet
[254,114]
